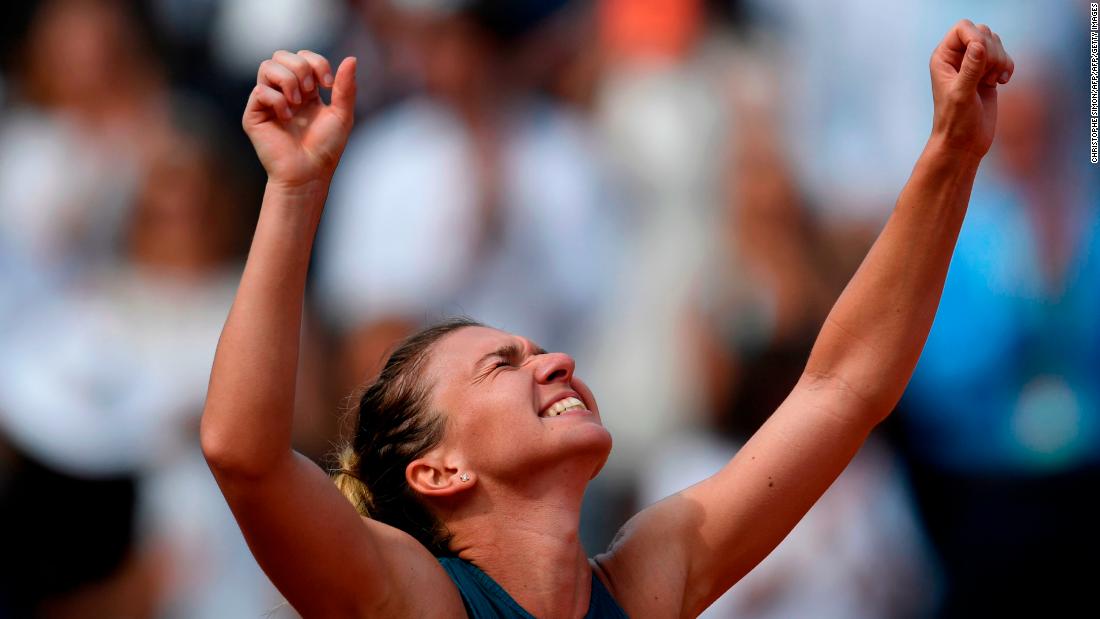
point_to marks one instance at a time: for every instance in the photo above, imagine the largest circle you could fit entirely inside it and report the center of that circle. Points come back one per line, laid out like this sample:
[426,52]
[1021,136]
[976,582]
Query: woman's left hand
[966,68]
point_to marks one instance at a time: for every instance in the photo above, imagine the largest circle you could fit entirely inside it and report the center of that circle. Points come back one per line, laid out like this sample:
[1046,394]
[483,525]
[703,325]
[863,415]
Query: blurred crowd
[673,191]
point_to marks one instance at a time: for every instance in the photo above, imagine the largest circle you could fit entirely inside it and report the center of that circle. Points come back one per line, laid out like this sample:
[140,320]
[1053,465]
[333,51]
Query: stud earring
[464,477]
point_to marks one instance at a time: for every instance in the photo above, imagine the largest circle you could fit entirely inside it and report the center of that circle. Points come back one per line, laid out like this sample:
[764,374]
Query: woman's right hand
[298,138]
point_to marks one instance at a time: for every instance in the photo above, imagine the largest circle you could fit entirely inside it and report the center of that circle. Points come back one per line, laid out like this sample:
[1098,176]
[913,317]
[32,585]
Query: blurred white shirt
[399,234]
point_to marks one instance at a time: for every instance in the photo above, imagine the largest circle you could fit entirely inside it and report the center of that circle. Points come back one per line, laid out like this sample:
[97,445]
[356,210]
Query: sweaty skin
[671,560]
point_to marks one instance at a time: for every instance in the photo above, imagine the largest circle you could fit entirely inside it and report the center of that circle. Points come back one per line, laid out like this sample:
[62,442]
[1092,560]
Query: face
[513,408]
[80,45]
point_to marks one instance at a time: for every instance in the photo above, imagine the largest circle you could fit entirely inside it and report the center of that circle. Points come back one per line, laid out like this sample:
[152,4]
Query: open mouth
[564,405]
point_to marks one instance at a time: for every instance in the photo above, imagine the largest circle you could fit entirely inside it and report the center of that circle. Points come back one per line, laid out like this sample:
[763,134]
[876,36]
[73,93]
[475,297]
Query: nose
[555,367]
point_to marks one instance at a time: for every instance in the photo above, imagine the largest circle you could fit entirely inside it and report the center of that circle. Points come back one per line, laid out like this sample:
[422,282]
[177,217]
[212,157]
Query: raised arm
[861,361]
[311,542]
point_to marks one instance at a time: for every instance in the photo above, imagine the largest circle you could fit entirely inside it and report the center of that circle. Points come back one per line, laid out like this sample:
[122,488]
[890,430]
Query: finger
[266,99]
[961,36]
[300,68]
[973,67]
[1006,65]
[1004,61]
[277,76]
[998,70]
[1011,68]
[995,56]
[322,70]
[343,88]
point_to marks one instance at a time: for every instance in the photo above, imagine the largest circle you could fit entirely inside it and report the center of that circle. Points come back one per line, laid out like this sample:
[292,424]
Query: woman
[479,445]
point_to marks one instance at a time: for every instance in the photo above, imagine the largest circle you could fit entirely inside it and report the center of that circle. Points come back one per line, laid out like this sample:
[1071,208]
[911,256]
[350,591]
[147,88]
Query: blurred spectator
[245,32]
[855,99]
[478,196]
[90,103]
[68,544]
[855,93]
[108,378]
[1002,417]
[858,552]
[661,108]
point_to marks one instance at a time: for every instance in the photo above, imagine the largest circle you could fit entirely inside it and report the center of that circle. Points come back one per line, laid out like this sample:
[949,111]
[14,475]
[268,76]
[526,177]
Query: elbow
[226,454]
[855,403]
[217,446]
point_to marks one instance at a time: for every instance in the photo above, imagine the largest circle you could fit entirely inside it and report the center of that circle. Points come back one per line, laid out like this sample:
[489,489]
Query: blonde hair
[347,480]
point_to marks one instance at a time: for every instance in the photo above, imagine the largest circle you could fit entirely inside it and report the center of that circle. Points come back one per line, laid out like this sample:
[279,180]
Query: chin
[591,442]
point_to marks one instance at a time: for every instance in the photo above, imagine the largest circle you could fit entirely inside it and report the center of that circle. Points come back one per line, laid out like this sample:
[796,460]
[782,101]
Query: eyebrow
[510,352]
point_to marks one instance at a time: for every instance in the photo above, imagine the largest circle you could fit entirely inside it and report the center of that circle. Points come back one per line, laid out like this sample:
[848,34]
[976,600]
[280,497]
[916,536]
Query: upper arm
[325,558]
[714,532]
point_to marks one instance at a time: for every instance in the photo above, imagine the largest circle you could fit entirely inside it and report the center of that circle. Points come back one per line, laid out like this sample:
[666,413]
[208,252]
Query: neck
[529,543]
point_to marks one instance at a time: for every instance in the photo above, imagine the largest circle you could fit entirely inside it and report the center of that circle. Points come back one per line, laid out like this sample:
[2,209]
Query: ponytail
[346,477]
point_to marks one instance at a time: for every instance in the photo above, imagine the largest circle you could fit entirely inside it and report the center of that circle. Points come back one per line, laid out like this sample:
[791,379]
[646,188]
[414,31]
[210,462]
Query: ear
[432,476]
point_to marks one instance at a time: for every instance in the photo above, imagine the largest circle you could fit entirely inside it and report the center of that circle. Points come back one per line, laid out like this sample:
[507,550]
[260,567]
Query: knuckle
[294,60]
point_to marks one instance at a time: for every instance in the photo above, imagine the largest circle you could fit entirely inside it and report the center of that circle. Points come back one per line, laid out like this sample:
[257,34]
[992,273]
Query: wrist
[299,204]
[943,149]
[299,190]
[306,197]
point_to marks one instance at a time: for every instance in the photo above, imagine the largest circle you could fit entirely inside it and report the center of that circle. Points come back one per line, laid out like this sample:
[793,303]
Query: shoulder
[645,569]
[424,587]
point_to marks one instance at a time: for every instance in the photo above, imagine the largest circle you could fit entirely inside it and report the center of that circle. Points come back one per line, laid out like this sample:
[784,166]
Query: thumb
[973,67]
[343,88]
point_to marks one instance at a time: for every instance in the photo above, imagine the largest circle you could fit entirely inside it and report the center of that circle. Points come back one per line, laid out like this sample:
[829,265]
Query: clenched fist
[966,68]
[298,138]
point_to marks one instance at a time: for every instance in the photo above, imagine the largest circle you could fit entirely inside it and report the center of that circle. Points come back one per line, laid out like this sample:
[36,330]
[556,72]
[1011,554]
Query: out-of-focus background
[674,191]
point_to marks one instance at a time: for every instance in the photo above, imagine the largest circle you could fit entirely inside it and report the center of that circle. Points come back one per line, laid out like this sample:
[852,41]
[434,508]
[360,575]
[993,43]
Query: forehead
[459,352]
[468,344]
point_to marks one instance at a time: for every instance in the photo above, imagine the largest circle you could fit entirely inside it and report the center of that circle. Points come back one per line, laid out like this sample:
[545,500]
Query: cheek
[500,420]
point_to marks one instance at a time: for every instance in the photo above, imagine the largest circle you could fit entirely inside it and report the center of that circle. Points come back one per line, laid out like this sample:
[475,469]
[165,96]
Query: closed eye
[509,355]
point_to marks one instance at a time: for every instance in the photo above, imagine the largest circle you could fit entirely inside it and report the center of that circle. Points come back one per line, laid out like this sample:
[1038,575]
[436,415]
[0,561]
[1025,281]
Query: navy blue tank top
[485,599]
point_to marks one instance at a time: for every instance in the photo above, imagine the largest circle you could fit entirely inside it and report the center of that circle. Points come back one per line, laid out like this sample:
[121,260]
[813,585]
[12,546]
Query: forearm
[873,336]
[249,406]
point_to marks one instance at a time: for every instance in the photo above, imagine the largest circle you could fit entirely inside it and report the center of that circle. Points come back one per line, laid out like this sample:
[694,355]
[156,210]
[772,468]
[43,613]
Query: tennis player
[460,493]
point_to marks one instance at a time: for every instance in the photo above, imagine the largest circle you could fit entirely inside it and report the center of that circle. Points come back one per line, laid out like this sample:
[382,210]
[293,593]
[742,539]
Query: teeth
[563,405]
